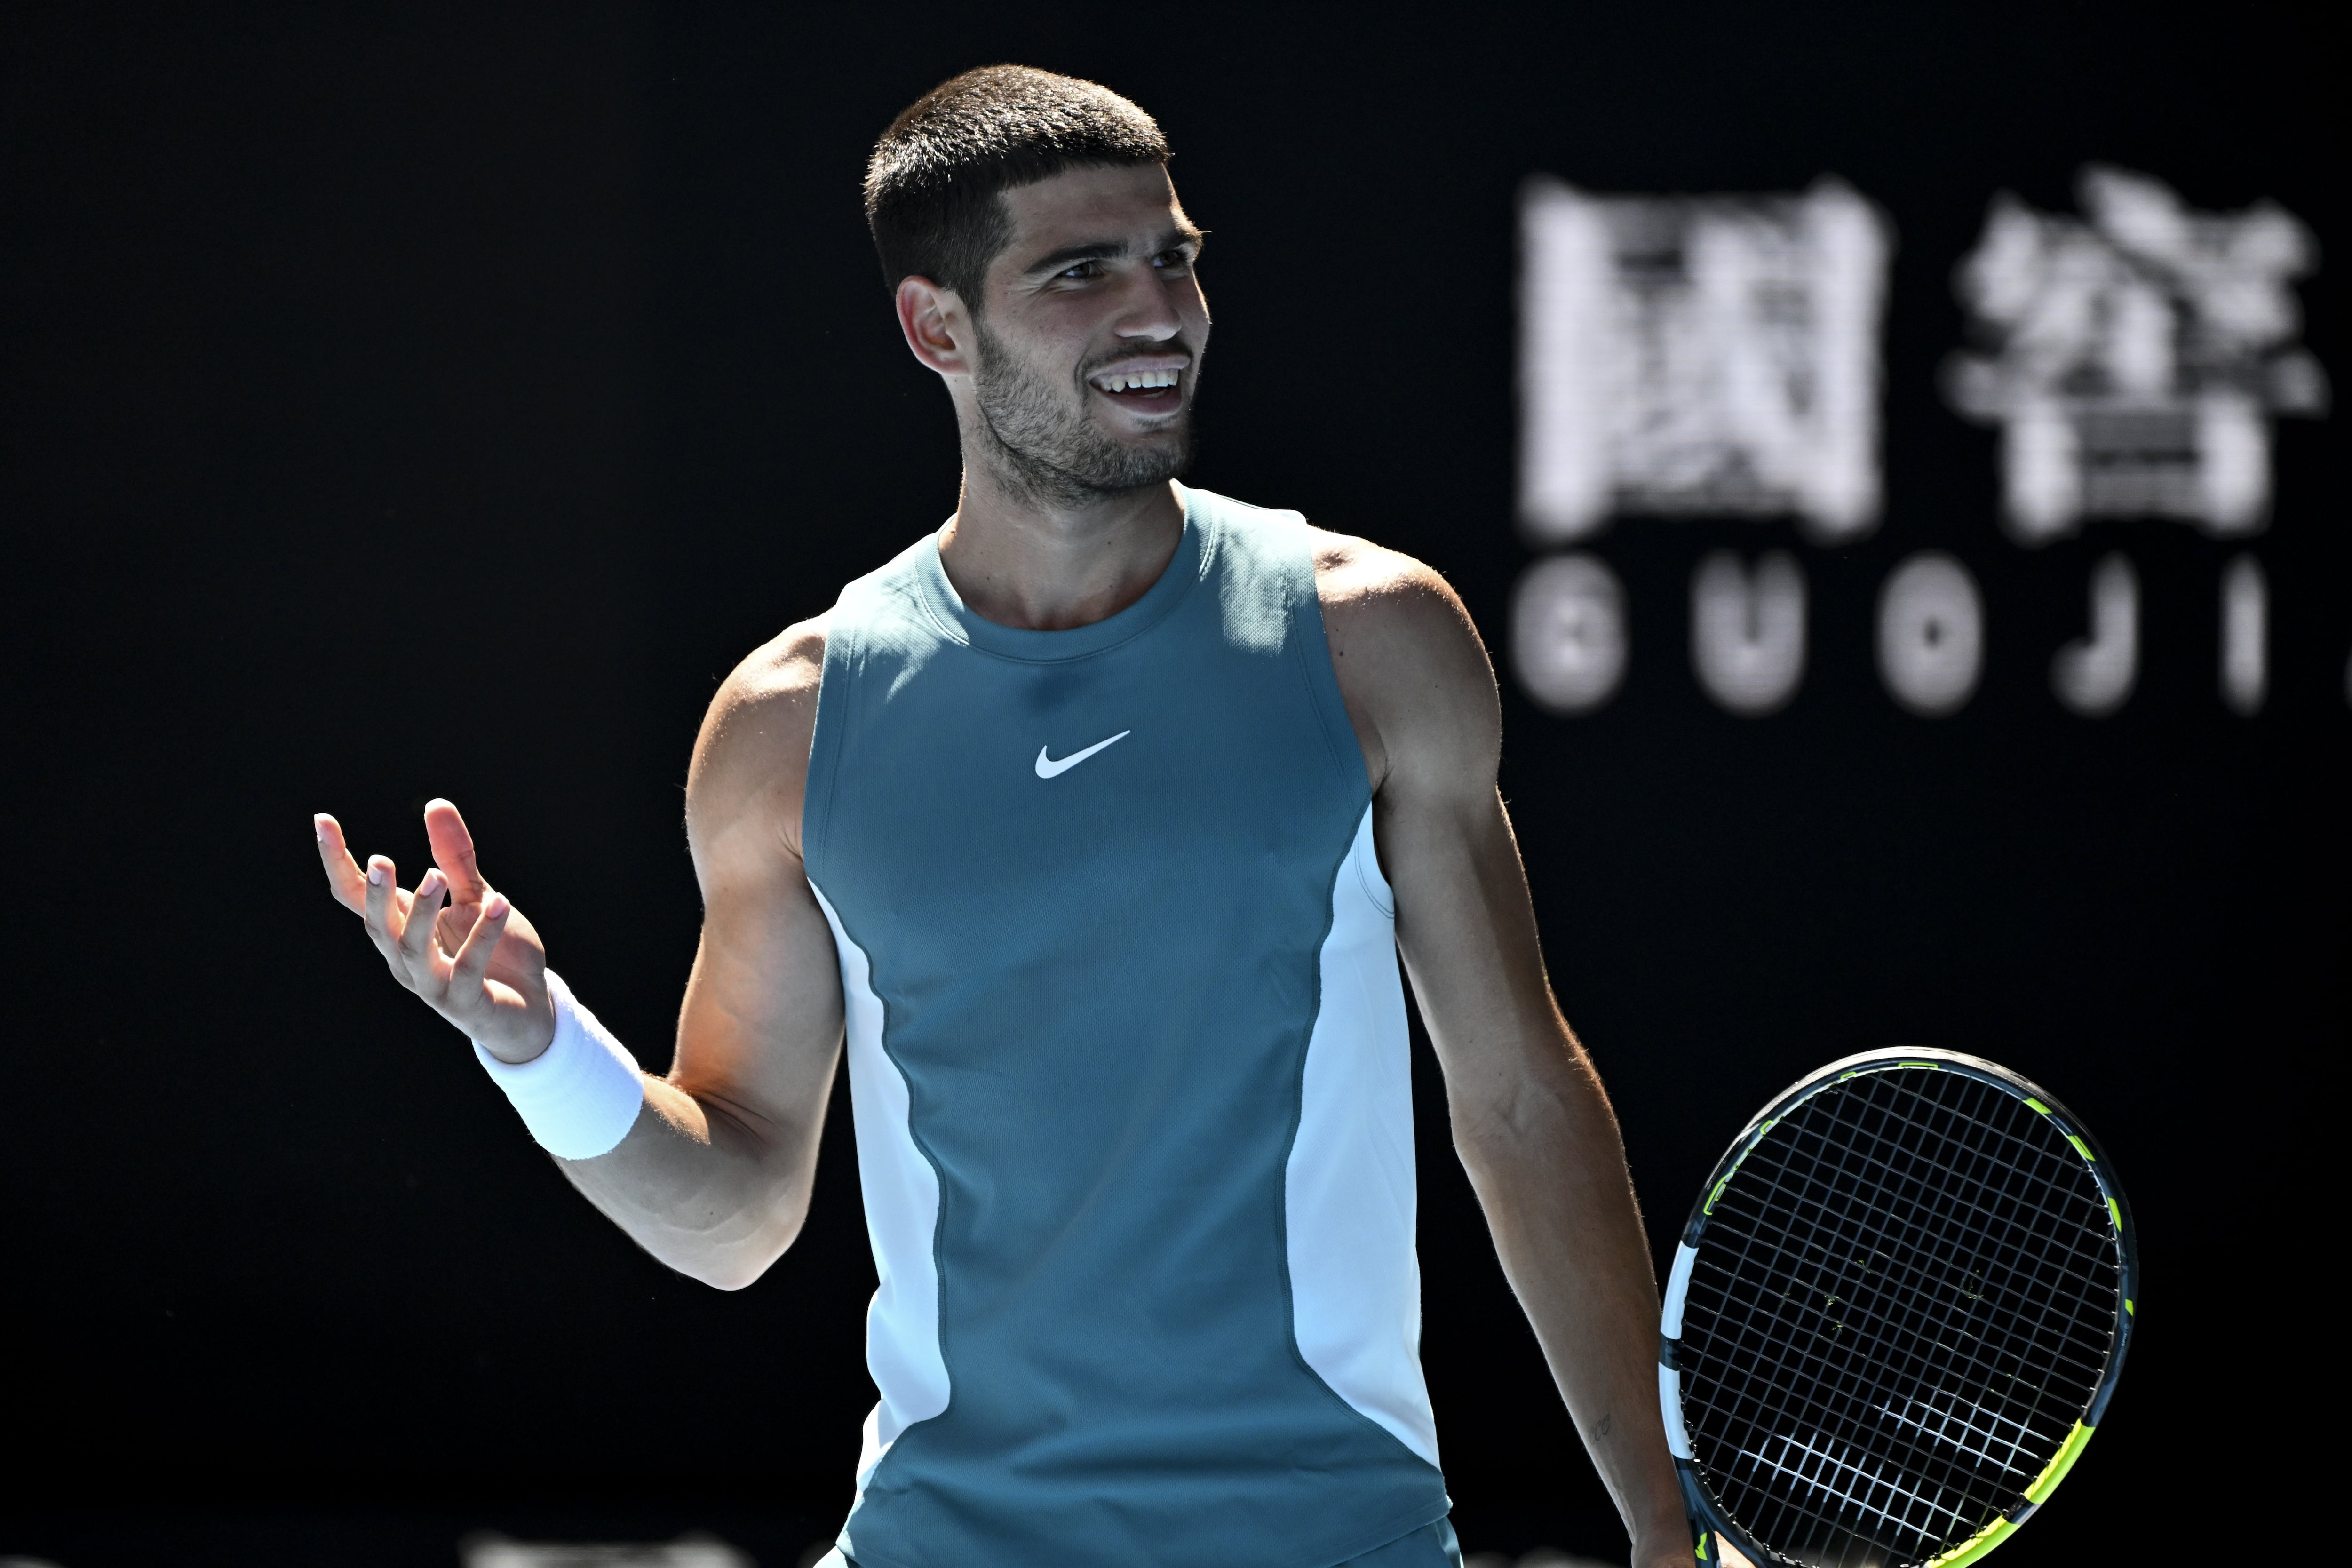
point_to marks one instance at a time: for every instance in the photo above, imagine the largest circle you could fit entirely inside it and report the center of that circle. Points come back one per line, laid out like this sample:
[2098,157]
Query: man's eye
[1172,260]
[1083,269]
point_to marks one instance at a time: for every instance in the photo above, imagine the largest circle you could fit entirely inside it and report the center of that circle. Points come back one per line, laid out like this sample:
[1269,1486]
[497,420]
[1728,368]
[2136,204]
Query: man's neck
[1044,567]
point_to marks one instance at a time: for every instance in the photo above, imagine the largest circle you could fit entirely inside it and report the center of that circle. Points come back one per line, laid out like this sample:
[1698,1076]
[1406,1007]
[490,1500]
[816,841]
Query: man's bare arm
[714,1180]
[713,1177]
[1530,1120]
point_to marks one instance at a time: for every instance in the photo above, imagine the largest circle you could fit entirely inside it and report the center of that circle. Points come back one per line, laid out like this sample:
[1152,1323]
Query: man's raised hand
[453,941]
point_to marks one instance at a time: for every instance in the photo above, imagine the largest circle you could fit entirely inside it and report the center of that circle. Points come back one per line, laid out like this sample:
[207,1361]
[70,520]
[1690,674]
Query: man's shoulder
[781,671]
[784,672]
[1409,661]
[754,744]
[1370,591]
[1350,573]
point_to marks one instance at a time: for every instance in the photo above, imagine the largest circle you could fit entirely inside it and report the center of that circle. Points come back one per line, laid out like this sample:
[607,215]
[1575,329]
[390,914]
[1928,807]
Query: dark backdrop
[402,401]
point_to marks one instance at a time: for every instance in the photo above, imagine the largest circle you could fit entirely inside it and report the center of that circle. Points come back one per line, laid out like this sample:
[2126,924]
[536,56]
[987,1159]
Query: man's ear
[935,324]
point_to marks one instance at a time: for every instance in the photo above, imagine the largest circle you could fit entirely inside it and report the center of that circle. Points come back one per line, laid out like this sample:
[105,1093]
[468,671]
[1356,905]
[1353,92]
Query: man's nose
[1148,306]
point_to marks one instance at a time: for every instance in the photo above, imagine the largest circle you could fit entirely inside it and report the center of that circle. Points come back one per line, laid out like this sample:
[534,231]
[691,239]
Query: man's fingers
[416,936]
[474,959]
[381,910]
[406,927]
[344,878]
[453,851]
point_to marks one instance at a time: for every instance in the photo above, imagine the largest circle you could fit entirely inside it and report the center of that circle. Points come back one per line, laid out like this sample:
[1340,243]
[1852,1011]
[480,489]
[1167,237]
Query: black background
[406,401]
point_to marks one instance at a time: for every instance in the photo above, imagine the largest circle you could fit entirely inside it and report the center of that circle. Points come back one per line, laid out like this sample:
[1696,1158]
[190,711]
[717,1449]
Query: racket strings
[1835,1469]
[1991,1357]
[1941,1230]
[1904,1298]
[1840,1474]
[1837,1478]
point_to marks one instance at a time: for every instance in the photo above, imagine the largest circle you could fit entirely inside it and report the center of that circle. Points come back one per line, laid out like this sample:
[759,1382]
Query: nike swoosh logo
[1047,768]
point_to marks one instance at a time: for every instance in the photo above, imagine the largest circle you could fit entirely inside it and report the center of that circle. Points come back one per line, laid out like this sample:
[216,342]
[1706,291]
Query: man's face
[1090,328]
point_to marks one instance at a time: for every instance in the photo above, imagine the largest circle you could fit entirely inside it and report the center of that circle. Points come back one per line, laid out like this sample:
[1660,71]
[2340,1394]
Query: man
[1096,822]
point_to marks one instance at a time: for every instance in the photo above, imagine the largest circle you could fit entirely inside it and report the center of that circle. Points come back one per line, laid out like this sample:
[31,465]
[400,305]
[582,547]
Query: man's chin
[1129,425]
[1169,439]
[1154,463]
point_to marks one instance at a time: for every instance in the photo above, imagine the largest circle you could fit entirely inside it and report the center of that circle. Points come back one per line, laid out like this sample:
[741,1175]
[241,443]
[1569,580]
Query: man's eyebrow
[1071,255]
[1109,250]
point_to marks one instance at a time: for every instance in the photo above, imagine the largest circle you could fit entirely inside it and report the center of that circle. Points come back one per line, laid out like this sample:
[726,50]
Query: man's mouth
[1146,386]
[1119,382]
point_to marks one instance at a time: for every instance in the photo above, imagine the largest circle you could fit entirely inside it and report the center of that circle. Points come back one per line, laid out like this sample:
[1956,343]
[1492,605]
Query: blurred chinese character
[2133,361]
[1699,355]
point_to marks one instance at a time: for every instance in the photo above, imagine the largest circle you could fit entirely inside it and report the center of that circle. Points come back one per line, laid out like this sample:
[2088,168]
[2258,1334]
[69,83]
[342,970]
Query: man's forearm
[709,1184]
[1549,1169]
[708,1189]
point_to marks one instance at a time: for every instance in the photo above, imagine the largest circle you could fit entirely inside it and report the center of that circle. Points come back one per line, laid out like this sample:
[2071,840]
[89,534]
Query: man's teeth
[1138,381]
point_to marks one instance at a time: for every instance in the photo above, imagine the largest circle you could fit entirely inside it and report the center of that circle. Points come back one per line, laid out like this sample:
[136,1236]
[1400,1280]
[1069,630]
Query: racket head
[1897,1313]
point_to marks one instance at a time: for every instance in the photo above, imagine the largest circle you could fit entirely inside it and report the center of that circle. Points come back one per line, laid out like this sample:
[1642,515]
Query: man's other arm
[714,1177]
[1531,1122]
[713,1174]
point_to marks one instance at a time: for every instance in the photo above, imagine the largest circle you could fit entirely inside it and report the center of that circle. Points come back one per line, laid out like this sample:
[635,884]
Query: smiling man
[1095,822]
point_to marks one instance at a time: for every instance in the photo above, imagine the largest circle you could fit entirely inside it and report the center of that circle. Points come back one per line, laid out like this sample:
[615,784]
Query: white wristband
[580,1096]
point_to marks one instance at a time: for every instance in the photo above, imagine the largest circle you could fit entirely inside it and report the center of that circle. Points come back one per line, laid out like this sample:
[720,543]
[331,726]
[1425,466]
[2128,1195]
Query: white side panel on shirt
[1348,1194]
[902,1215]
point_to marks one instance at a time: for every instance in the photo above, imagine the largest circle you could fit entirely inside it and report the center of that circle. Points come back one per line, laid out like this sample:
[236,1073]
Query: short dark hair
[935,183]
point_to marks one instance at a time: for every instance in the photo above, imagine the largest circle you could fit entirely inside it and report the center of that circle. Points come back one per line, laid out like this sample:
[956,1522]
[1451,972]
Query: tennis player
[1096,821]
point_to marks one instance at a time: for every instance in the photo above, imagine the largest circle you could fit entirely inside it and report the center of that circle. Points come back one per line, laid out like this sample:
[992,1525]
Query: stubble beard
[1046,449]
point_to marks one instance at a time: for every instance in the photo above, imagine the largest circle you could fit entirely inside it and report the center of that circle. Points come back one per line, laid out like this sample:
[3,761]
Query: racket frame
[1706,1515]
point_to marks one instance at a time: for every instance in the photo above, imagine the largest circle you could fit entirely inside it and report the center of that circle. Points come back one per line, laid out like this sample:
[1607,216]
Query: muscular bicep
[1465,924]
[761,1025]
[1422,694]
[1467,935]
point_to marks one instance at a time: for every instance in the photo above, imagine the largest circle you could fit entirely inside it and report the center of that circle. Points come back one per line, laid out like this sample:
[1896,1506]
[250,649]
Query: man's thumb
[453,851]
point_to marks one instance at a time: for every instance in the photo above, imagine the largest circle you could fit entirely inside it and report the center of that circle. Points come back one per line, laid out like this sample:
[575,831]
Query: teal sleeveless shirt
[1127,1057]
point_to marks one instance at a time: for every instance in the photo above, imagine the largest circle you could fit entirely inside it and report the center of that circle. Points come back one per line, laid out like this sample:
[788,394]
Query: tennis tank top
[1127,1057]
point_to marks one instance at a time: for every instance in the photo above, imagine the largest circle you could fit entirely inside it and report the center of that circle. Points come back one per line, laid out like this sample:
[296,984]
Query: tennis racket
[1895,1317]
